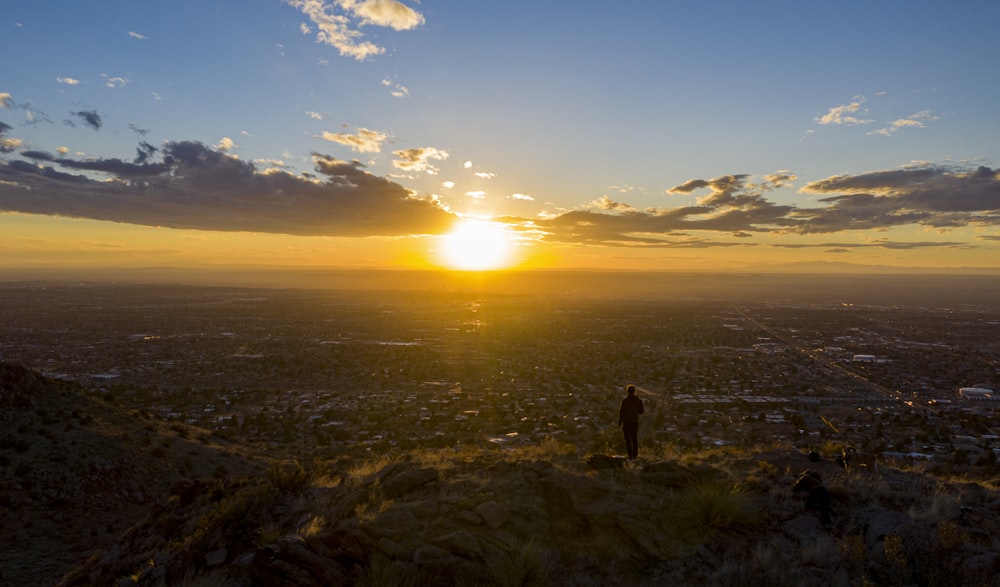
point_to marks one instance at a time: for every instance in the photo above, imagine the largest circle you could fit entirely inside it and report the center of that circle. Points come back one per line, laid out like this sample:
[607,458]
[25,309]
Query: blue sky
[654,135]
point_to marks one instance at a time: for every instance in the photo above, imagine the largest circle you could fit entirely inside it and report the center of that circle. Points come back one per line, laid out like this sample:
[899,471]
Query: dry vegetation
[544,516]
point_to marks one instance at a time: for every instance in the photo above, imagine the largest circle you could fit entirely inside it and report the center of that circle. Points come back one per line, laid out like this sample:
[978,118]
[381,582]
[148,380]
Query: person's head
[630,389]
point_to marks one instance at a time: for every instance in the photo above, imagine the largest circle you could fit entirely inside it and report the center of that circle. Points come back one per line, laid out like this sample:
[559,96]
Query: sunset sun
[477,245]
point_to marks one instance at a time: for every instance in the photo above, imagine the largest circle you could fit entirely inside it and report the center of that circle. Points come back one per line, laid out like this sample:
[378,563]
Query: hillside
[102,496]
[76,471]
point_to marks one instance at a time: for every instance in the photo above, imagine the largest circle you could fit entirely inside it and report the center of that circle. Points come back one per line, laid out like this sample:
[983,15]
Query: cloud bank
[191,186]
[930,196]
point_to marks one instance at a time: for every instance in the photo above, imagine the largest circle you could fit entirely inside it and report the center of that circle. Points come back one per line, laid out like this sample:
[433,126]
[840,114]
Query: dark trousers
[631,431]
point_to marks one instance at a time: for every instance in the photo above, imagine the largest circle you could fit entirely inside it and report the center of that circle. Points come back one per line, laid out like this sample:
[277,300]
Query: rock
[461,543]
[324,571]
[395,522]
[467,517]
[407,481]
[882,523]
[492,513]
[216,557]
[803,528]
[432,556]
[667,474]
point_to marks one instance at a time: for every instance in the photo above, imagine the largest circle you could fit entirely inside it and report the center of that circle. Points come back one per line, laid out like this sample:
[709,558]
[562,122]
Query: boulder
[406,481]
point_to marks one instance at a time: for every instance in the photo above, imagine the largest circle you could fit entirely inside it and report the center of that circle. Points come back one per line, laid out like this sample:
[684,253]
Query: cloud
[68,81]
[136,35]
[397,91]
[114,82]
[338,22]
[225,144]
[6,100]
[7,144]
[844,114]
[923,195]
[912,121]
[525,197]
[934,196]
[315,115]
[193,186]
[89,117]
[363,141]
[418,159]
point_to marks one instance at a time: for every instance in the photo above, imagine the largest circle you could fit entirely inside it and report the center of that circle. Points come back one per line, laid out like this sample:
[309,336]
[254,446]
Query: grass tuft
[706,511]
[524,564]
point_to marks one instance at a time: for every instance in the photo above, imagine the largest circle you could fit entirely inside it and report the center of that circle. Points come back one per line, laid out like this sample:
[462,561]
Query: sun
[478,245]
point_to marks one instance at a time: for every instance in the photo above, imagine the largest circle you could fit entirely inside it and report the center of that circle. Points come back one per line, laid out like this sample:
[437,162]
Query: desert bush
[705,511]
[235,521]
[291,478]
[524,564]
[382,572]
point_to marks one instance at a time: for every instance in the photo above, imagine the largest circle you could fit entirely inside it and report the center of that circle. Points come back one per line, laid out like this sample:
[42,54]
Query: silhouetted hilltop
[99,495]
[76,471]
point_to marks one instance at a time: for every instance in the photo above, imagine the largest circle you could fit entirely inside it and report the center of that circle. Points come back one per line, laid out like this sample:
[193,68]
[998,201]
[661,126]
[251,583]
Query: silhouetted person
[628,419]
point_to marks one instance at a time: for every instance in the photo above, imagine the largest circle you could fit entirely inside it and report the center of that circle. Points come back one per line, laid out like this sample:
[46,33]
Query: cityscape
[343,372]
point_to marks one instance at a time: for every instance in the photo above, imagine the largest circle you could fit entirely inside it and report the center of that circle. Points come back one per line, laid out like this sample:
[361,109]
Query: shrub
[519,565]
[382,572]
[705,511]
[292,478]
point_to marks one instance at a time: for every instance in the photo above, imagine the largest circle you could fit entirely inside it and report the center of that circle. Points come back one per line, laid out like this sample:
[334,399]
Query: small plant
[312,527]
[705,511]
[520,565]
[292,478]
[382,572]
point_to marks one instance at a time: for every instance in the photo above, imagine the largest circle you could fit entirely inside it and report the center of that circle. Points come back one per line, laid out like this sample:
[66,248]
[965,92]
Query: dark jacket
[630,409]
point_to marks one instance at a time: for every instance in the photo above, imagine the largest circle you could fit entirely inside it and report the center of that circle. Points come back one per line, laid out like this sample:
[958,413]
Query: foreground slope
[76,471]
[548,515]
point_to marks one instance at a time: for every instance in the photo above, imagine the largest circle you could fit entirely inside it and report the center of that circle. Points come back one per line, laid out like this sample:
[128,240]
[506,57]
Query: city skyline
[361,134]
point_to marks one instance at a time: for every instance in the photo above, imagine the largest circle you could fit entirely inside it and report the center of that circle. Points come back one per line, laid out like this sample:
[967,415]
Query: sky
[651,135]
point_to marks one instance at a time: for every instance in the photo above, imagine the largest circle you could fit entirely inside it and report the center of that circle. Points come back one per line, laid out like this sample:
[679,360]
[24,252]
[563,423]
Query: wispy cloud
[419,159]
[136,35]
[912,121]
[845,114]
[192,186]
[89,117]
[363,141]
[397,90]
[338,22]
[68,81]
[114,81]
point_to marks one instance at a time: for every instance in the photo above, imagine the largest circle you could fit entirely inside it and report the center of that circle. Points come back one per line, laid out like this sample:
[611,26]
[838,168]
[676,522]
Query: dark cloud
[144,151]
[5,128]
[89,117]
[193,186]
[734,204]
[38,155]
[139,131]
[941,197]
